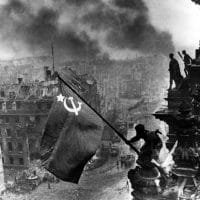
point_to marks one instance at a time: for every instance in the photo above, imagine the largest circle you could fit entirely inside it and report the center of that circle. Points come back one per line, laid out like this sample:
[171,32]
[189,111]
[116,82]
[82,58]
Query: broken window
[19,133]
[2,93]
[11,95]
[8,105]
[37,119]
[39,106]
[32,145]
[26,119]
[9,134]
[20,147]
[38,93]
[11,159]
[24,90]
[14,107]
[17,119]
[7,119]
[10,147]
[21,161]
[18,105]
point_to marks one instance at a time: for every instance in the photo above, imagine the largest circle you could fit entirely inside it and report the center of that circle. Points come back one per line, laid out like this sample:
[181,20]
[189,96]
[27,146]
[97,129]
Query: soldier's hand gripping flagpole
[103,119]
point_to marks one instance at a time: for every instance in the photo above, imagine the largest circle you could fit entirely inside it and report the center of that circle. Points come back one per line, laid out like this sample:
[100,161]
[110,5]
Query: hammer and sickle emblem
[74,109]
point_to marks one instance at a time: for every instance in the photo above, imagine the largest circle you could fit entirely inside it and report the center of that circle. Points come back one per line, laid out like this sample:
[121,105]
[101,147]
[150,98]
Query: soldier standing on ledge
[174,71]
[187,61]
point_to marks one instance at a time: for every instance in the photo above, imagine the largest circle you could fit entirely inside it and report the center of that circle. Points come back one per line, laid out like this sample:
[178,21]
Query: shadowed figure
[187,61]
[152,142]
[174,72]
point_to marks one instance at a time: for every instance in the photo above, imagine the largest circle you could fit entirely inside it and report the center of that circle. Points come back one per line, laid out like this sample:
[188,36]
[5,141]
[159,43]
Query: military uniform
[175,74]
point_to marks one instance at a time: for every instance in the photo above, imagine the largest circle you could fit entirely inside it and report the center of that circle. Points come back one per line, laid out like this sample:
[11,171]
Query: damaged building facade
[24,109]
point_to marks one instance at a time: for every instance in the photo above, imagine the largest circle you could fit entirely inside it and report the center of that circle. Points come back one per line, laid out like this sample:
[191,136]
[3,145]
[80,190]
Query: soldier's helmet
[139,128]
[184,51]
[171,55]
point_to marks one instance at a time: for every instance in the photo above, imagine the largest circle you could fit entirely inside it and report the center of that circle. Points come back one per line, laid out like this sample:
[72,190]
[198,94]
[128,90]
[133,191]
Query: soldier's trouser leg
[186,70]
[170,83]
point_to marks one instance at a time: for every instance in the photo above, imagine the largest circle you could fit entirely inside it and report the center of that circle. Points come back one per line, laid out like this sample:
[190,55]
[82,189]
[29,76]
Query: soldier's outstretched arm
[134,139]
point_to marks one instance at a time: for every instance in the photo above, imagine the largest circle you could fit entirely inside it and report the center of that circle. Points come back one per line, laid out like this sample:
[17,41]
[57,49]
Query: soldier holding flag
[187,61]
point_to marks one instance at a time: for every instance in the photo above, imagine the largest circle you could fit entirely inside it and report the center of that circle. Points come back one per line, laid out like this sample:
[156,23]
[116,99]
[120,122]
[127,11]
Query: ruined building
[24,108]
[23,111]
[182,116]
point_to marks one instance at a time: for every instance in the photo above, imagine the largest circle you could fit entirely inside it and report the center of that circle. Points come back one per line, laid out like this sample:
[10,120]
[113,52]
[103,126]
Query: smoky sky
[81,28]
[196,1]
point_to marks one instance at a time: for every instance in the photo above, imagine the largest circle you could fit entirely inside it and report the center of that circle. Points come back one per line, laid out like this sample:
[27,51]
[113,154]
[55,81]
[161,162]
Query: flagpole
[108,123]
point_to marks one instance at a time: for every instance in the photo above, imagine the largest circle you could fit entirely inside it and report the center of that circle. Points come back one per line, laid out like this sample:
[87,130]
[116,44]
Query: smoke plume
[79,28]
[196,1]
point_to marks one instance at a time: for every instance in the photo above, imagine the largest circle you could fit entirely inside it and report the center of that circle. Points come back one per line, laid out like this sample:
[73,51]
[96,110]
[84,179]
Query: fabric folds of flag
[69,141]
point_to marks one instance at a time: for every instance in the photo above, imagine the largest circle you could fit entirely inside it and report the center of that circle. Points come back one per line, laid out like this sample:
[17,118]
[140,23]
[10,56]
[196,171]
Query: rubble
[28,180]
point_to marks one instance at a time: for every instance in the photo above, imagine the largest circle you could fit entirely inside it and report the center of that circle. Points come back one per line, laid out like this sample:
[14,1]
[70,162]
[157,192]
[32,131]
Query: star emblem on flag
[60,97]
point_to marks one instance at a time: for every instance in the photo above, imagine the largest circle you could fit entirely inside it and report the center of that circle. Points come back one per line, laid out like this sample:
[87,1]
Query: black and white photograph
[99,99]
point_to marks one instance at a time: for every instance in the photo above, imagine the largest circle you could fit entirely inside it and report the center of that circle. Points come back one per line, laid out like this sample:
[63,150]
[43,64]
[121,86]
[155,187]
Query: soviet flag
[73,130]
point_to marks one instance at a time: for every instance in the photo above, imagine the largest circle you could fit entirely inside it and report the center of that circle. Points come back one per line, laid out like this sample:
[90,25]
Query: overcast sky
[180,17]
